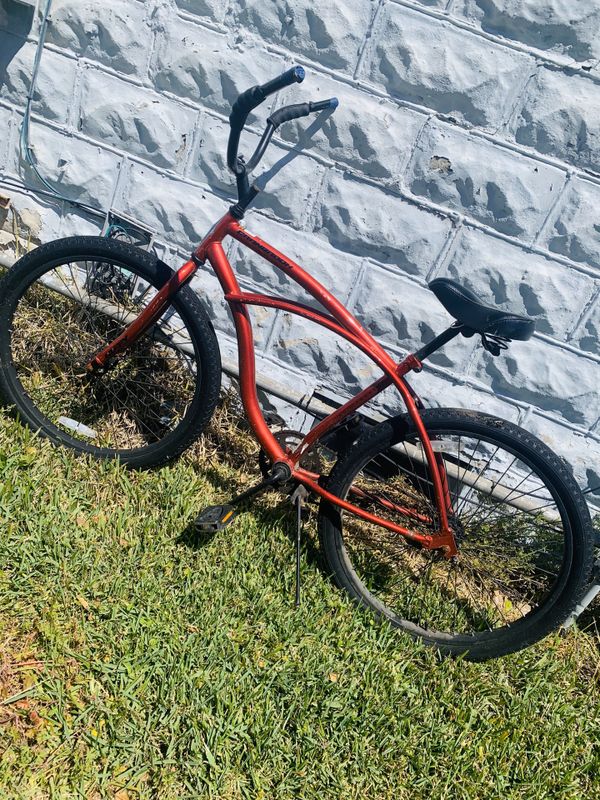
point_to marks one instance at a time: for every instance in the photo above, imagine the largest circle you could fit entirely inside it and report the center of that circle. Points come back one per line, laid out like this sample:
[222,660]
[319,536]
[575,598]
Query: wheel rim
[510,526]
[69,313]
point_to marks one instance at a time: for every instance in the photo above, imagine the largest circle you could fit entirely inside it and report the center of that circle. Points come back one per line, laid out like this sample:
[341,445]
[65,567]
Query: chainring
[289,440]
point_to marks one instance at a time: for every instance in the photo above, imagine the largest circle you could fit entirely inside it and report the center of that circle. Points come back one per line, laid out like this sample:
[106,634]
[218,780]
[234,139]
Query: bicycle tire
[32,294]
[569,514]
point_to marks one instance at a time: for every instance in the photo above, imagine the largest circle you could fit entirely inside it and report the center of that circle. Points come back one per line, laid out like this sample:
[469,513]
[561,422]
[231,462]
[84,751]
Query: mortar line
[215,27]
[74,110]
[360,277]
[411,156]
[310,217]
[122,176]
[585,313]
[150,56]
[525,415]
[515,98]
[544,337]
[192,152]
[448,249]
[370,28]
[396,271]
[554,206]
[273,332]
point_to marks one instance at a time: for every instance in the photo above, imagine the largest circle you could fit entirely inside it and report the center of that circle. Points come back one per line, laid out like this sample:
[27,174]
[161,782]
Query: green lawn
[138,662]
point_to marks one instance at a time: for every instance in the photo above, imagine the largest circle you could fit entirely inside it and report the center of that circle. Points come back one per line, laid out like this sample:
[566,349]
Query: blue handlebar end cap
[324,105]
[299,74]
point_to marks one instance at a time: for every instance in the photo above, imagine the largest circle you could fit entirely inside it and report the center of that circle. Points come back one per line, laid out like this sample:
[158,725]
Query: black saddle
[467,309]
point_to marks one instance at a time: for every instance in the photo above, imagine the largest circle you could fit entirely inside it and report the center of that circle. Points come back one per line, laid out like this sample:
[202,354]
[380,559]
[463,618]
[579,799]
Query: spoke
[472,455]
[483,469]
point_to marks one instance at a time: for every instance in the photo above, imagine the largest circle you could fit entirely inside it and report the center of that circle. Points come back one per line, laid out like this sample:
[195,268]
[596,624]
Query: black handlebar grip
[287,113]
[293,75]
[252,97]
[297,110]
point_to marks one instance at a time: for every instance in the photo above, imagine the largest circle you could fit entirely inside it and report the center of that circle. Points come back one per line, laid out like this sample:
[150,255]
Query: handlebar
[247,102]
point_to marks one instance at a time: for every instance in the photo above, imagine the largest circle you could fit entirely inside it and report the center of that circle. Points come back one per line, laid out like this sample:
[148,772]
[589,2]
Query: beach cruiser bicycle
[460,528]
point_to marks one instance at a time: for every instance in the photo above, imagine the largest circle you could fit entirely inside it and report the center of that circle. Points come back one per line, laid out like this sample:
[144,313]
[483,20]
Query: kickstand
[297,499]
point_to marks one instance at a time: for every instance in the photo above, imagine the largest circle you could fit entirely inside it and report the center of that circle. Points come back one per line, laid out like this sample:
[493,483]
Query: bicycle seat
[467,309]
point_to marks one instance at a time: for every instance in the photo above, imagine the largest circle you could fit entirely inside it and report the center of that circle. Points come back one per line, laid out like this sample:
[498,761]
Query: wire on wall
[26,150]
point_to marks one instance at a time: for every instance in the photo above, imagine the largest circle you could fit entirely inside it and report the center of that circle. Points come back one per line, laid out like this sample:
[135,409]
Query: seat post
[440,340]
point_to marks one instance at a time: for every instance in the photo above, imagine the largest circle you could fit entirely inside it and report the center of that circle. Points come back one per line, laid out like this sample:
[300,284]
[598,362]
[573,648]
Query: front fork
[149,316]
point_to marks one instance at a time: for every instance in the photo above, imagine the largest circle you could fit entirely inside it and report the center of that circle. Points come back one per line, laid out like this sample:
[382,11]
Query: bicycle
[458,527]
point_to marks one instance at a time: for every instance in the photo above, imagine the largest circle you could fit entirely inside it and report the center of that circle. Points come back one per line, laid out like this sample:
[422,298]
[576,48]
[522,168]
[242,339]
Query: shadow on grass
[281,516]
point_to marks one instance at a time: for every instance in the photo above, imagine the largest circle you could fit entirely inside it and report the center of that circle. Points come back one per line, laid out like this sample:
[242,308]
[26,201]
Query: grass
[137,661]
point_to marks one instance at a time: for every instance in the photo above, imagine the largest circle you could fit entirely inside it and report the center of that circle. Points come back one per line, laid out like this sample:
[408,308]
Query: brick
[337,274]
[514,280]
[330,33]
[179,212]
[310,348]
[288,185]
[366,133]
[288,191]
[135,120]
[212,9]
[78,169]
[587,335]
[404,314]
[54,85]
[207,286]
[435,64]
[509,192]
[115,33]
[361,219]
[559,115]
[209,68]
[551,379]
[565,28]
[571,231]
[441,390]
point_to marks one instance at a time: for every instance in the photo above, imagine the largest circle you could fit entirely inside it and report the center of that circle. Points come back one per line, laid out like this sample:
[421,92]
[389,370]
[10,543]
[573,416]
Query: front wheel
[66,300]
[521,524]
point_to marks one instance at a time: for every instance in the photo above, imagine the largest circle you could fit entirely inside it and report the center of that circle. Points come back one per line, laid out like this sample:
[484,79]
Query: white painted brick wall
[466,144]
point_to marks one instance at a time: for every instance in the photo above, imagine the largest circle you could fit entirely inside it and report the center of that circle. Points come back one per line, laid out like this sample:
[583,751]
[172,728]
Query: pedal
[214,518]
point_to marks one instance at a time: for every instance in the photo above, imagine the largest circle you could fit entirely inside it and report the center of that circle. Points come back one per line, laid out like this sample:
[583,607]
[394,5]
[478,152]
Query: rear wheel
[64,302]
[522,528]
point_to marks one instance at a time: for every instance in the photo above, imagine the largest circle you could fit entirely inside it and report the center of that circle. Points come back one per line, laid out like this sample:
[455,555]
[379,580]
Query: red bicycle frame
[340,321]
